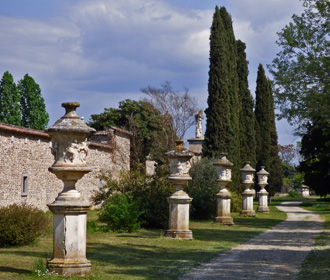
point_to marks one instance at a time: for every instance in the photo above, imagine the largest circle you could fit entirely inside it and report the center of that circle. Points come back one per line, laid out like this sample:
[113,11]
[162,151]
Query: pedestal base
[65,267]
[69,244]
[224,220]
[248,213]
[179,234]
[263,209]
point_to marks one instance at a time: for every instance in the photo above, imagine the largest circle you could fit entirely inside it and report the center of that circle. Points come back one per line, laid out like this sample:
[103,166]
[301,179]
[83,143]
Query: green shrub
[293,194]
[121,213]
[22,225]
[152,191]
[236,202]
[203,189]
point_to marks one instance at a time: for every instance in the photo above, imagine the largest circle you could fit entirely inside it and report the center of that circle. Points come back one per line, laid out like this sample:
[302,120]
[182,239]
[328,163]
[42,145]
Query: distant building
[25,157]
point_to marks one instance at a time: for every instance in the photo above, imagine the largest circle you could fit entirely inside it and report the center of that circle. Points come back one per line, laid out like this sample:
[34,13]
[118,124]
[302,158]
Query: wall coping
[34,132]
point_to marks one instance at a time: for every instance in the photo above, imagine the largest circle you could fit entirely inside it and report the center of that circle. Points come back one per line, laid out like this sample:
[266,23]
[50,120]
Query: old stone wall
[25,158]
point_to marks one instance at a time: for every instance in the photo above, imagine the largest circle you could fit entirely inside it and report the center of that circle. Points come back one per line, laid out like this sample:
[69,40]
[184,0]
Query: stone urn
[69,147]
[223,168]
[247,180]
[263,194]
[179,201]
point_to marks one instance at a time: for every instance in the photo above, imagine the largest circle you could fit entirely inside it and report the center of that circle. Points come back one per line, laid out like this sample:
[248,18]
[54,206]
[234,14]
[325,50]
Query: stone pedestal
[179,215]
[70,148]
[196,144]
[69,255]
[263,201]
[248,203]
[263,194]
[179,201]
[223,208]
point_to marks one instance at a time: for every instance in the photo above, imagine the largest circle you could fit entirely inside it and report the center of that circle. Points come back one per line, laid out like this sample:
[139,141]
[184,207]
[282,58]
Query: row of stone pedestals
[179,160]
[69,135]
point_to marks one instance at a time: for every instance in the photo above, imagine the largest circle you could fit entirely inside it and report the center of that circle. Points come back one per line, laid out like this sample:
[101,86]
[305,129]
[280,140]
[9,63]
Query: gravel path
[275,254]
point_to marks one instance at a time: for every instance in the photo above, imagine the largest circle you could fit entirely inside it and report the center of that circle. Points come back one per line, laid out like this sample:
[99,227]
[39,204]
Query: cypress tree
[217,114]
[275,169]
[263,113]
[9,101]
[33,106]
[247,116]
[222,129]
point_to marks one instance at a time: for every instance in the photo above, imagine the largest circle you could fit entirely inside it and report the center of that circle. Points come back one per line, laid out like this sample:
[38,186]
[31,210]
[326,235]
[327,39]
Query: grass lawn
[145,254]
[317,263]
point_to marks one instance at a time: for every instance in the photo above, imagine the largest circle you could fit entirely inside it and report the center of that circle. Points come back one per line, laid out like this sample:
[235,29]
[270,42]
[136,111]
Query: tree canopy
[302,69]
[302,87]
[151,134]
[33,108]
[9,101]
[179,107]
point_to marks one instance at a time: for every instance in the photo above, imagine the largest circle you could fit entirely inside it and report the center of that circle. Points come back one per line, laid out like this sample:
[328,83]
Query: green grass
[317,263]
[146,254]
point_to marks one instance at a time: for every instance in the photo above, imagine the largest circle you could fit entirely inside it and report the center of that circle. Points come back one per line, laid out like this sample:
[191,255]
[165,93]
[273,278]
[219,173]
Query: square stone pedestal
[247,210]
[69,250]
[179,216]
[263,201]
[223,208]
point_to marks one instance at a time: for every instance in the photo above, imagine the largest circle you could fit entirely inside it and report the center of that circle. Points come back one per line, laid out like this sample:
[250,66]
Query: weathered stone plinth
[223,208]
[69,254]
[179,215]
[70,148]
[196,144]
[263,201]
[247,209]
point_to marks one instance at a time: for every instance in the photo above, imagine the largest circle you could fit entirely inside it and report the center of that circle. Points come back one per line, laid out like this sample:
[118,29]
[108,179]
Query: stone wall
[25,158]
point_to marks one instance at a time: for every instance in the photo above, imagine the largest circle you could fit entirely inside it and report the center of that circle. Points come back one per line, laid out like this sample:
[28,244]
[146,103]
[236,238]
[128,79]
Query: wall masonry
[25,157]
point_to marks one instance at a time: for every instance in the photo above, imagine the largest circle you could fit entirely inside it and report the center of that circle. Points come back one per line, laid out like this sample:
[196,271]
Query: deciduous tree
[151,134]
[181,107]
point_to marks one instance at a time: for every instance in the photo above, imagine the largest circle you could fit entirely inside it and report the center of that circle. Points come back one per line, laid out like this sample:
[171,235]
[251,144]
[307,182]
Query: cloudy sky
[100,52]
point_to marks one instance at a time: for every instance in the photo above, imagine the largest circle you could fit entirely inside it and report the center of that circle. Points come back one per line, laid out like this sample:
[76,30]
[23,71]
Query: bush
[121,213]
[203,189]
[294,194]
[152,191]
[236,203]
[22,224]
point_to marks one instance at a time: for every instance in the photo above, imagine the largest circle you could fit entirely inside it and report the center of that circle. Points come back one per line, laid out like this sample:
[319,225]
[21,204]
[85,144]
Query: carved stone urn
[263,194]
[247,180]
[69,147]
[179,201]
[223,168]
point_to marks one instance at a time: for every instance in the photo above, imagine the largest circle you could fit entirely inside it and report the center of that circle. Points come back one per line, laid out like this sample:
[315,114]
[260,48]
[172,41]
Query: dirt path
[275,254]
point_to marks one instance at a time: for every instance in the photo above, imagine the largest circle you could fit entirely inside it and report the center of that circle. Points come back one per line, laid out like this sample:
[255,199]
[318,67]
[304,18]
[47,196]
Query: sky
[100,52]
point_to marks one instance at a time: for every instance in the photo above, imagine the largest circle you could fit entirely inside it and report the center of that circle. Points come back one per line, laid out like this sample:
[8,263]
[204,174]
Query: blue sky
[100,52]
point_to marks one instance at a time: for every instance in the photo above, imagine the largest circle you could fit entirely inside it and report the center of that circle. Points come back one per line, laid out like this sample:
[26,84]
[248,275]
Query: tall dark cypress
[275,169]
[9,101]
[263,113]
[217,113]
[247,116]
[222,128]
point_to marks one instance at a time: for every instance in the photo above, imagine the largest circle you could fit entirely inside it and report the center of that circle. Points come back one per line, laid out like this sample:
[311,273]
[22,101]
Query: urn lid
[247,167]
[262,171]
[70,122]
[179,151]
[224,161]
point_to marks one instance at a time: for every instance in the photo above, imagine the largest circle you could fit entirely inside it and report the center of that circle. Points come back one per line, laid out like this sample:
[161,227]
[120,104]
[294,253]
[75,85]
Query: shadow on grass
[14,270]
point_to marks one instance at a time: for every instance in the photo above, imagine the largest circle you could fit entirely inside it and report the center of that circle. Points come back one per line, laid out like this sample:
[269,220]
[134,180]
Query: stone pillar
[223,168]
[69,135]
[179,201]
[263,194]
[247,180]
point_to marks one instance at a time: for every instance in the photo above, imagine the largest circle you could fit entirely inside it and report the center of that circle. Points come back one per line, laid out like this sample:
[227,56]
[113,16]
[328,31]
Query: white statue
[199,127]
